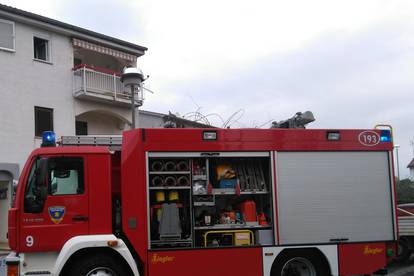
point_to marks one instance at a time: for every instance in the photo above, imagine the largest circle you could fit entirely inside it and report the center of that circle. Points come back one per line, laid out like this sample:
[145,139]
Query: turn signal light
[112,243]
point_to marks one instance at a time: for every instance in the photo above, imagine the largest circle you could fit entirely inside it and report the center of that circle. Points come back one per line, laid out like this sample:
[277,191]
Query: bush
[405,191]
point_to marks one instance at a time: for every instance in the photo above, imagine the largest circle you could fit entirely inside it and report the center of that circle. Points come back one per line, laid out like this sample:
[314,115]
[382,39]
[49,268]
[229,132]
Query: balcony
[102,85]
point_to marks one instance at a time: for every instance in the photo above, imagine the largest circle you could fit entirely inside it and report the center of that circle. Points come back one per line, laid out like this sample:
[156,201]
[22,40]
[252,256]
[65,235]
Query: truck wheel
[299,264]
[98,265]
[403,251]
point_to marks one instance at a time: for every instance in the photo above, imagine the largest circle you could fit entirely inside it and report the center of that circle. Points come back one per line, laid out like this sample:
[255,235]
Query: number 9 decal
[29,241]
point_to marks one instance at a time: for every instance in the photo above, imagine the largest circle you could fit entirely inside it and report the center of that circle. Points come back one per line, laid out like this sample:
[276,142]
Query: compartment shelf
[170,188]
[199,204]
[227,191]
[169,172]
[199,177]
[172,242]
[231,226]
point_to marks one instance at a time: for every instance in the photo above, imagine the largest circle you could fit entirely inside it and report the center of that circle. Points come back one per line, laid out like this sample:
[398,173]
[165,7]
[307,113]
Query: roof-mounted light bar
[48,139]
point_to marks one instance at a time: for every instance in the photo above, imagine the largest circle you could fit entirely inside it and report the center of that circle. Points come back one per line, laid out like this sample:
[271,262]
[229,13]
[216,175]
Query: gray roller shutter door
[333,195]
[6,34]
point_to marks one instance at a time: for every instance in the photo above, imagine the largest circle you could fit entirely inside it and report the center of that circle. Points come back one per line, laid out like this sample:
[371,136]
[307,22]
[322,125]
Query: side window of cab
[53,176]
[66,176]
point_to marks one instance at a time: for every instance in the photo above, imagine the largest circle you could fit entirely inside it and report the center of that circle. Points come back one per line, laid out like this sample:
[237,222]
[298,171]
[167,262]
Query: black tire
[403,251]
[89,265]
[284,263]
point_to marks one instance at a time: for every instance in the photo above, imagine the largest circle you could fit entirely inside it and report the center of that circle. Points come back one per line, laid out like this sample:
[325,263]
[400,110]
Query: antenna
[412,145]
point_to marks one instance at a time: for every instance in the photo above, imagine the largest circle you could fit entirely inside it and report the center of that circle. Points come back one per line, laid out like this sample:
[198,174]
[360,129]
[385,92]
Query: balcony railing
[100,84]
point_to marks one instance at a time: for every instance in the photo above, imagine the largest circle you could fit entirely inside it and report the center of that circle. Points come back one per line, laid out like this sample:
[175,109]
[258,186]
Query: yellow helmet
[173,196]
[225,171]
[160,196]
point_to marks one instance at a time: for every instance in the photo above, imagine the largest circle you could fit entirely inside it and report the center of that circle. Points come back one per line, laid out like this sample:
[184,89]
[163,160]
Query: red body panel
[100,203]
[134,193]
[48,236]
[218,262]
[255,140]
[37,232]
[12,228]
[361,258]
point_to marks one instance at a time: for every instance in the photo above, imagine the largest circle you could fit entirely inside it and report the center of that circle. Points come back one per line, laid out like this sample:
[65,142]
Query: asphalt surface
[394,269]
[404,269]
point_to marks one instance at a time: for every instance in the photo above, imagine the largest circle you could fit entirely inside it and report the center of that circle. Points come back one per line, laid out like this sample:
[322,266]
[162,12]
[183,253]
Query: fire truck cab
[207,202]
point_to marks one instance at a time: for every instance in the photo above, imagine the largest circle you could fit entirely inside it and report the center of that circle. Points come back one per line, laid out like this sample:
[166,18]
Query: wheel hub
[298,267]
[101,271]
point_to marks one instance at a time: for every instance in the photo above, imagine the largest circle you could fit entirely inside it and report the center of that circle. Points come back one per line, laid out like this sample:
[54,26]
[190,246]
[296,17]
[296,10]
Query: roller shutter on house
[324,196]
[6,34]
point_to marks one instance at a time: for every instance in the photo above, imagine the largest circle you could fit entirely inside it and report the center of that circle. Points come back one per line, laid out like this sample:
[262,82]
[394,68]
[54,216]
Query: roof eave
[70,30]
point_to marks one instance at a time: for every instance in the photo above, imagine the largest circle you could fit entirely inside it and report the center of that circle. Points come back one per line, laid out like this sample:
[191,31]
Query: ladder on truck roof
[113,142]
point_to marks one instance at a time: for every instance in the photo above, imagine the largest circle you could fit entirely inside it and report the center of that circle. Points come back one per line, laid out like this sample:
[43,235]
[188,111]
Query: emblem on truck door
[56,214]
[369,138]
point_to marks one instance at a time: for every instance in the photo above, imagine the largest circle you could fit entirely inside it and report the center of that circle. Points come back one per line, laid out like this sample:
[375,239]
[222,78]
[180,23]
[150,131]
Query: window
[33,202]
[6,35]
[77,61]
[41,48]
[53,176]
[81,128]
[66,176]
[43,120]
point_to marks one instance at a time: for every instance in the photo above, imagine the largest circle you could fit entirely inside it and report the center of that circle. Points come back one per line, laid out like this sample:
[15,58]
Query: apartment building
[60,77]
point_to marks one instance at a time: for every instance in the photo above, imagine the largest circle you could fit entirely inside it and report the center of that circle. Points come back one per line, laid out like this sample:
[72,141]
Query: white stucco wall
[150,121]
[102,124]
[411,174]
[4,207]
[26,83]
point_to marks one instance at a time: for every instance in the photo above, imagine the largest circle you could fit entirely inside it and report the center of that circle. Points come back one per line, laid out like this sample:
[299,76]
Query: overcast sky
[350,62]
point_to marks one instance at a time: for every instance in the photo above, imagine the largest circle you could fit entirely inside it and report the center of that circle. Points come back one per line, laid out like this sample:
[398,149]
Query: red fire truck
[207,202]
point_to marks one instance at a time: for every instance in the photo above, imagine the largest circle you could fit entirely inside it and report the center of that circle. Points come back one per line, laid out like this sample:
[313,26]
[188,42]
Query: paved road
[394,269]
[406,269]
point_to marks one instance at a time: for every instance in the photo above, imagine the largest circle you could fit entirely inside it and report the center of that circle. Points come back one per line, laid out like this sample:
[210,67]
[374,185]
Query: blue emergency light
[48,139]
[385,135]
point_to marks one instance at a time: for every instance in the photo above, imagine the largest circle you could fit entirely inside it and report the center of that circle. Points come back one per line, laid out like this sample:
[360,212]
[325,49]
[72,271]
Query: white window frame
[14,36]
[48,47]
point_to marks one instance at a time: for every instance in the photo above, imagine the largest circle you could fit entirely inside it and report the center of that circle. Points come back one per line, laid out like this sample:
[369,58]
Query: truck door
[55,204]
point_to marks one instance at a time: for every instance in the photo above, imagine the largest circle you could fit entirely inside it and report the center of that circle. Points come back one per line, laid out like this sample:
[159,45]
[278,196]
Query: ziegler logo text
[156,259]
[372,251]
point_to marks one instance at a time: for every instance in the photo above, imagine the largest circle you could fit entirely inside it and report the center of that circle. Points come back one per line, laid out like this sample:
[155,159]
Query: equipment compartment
[210,201]
[170,202]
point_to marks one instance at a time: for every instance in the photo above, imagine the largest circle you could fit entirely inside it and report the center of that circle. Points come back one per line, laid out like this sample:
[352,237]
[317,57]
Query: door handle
[79,218]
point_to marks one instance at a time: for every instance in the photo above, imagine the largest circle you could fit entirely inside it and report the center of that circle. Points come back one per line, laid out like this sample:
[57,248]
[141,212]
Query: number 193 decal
[369,138]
